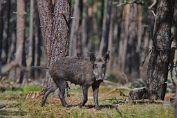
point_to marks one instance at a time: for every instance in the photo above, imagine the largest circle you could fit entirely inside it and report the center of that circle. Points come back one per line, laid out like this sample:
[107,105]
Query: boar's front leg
[85,95]
[95,88]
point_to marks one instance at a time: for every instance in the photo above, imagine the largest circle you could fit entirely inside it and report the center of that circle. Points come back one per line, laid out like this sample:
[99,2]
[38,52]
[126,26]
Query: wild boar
[80,71]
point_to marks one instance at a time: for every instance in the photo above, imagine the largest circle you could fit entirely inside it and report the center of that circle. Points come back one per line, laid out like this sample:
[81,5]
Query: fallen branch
[111,91]
[122,94]
[121,116]
[4,70]
[148,101]
[115,100]
[138,93]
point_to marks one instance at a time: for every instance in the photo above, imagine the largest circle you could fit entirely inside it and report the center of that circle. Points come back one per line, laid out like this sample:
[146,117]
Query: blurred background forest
[95,26]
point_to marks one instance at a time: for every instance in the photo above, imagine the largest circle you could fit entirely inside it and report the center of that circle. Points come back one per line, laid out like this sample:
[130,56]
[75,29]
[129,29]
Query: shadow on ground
[108,106]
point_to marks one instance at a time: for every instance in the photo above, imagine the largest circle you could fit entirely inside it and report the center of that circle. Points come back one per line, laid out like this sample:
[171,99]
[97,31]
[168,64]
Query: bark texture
[159,60]
[55,27]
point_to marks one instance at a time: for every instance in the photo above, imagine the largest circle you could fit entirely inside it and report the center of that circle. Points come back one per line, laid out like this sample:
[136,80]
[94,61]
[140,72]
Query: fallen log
[138,93]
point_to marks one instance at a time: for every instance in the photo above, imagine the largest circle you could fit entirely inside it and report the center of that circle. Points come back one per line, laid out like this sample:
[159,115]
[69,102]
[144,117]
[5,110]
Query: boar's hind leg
[50,90]
[85,95]
[95,88]
[61,84]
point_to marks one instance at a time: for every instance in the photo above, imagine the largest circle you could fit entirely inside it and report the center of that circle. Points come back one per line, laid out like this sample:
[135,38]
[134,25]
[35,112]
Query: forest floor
[22,102]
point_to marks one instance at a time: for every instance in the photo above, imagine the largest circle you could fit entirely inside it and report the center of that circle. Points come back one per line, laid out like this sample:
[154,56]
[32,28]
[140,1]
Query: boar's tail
[38,67]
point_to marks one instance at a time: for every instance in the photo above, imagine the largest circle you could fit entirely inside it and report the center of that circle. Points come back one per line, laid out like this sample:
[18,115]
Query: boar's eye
[103,66]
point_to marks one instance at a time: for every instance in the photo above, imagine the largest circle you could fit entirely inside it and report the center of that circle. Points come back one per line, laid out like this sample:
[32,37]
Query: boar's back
[74,69]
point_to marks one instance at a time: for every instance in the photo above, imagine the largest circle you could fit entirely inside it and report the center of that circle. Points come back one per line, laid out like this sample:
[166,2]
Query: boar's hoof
[97,108]
[42,103]
[66,105]
[80,105]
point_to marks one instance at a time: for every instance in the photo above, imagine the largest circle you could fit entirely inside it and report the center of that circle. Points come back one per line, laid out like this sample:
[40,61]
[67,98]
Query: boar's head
[99,65]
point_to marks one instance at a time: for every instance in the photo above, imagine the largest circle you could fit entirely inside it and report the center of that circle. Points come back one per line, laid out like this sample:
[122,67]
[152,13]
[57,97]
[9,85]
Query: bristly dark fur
[78,70]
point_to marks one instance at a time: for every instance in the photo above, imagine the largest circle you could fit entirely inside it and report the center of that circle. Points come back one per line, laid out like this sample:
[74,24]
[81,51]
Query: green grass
[17,105]
[32,88]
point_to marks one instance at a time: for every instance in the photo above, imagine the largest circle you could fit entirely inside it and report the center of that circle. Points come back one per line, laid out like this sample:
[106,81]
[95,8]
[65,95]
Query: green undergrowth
[18,105]
[32,88]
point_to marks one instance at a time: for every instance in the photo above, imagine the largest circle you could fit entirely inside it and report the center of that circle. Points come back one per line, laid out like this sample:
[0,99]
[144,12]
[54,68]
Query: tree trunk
[132,58]
[159,60]
[20,36]
[174,26]
[46,18]
[31,41]
[118,25]
[174,35]
[84,29]
[79,34]
[38,41]
[105,35]
[146,43]
[110,44]
[139,33]
[123,38]
[5,38]
[55,26]
[1,29]
[12,32]
[101,19]
[74,30]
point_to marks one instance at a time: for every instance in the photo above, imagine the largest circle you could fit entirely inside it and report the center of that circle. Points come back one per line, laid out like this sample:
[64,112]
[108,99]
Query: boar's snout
[99,70]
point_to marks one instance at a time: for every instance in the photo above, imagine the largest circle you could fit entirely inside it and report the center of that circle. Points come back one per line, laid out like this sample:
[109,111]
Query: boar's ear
[92,57]
[106,57]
